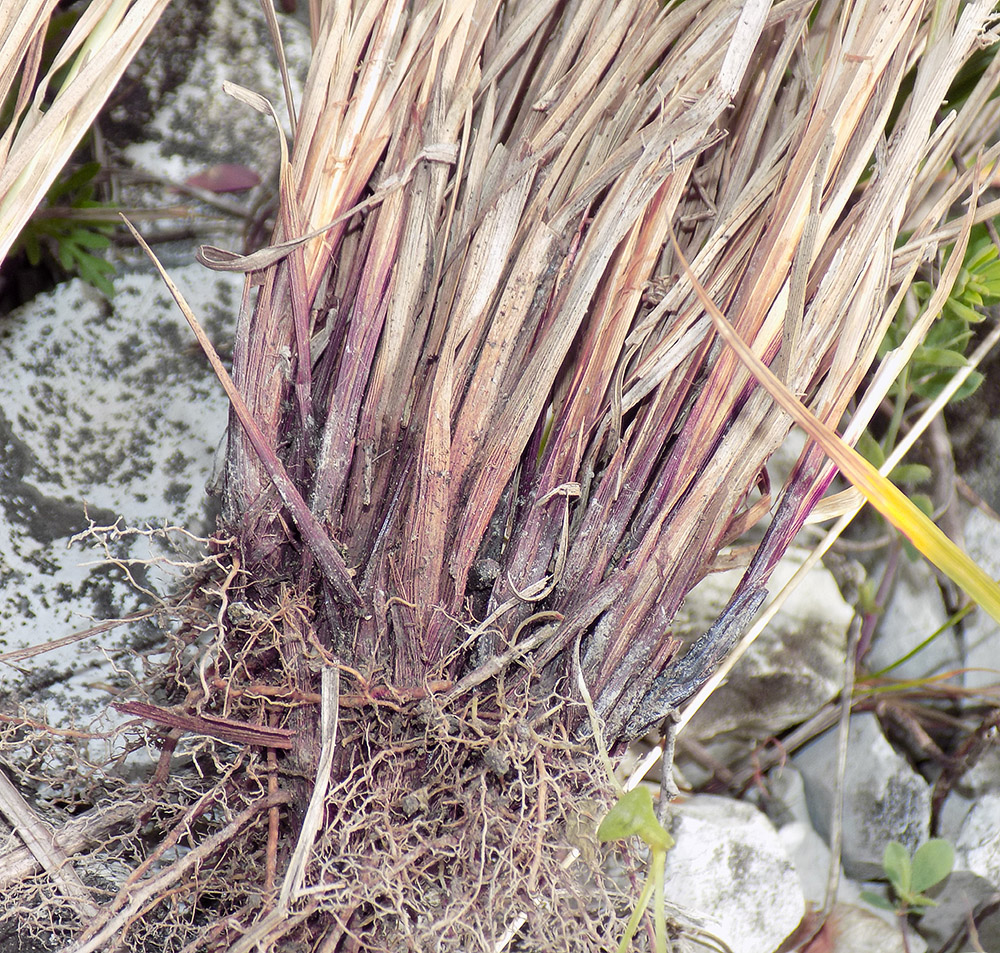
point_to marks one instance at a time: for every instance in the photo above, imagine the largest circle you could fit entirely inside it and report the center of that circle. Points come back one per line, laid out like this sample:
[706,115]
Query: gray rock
[795,666]
[978,436]
[108,414]
[962,894]
[729,864]
[980,639]
[984,776]
[811,857]
[977,848]
[975,883]
[786,802]
[954,810]
[914,612]
[192,123]
[884,798]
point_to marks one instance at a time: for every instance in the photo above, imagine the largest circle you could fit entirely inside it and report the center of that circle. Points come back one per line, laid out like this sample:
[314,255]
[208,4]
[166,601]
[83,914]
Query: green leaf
[634,814]
[922,289]
[66,257]
[979,255]
[948,331]
[942,357]
[896,864]
[870,449]
[963,311]
[88,238]
[102,284]
[973,294]
[81,179]
[961,281]
[95,271]
[876,901]
[933,385]
[989,278]
[969,387]
[912,474]
[932,862]
[627,816]
[32,247]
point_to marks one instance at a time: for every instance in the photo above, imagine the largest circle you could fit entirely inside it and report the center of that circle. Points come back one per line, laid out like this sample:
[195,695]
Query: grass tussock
[504,397]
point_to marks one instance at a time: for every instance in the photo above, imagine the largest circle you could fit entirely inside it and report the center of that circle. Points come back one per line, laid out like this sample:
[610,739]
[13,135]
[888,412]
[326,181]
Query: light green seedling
[909,879]
[634,815]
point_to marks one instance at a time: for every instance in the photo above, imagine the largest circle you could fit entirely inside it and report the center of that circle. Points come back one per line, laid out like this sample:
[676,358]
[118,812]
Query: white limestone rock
[884,798]
[729,865]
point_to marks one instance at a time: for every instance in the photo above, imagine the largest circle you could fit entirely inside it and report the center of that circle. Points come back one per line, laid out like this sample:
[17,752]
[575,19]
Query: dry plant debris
[51,112]
[483,427]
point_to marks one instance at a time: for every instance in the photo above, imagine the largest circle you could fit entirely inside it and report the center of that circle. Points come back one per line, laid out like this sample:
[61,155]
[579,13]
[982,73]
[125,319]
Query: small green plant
[56,232]
[910,878]
[943,350]
[633,814]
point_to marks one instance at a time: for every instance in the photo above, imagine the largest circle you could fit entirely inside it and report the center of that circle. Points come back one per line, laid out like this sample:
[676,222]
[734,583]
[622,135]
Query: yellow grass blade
[882,494]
